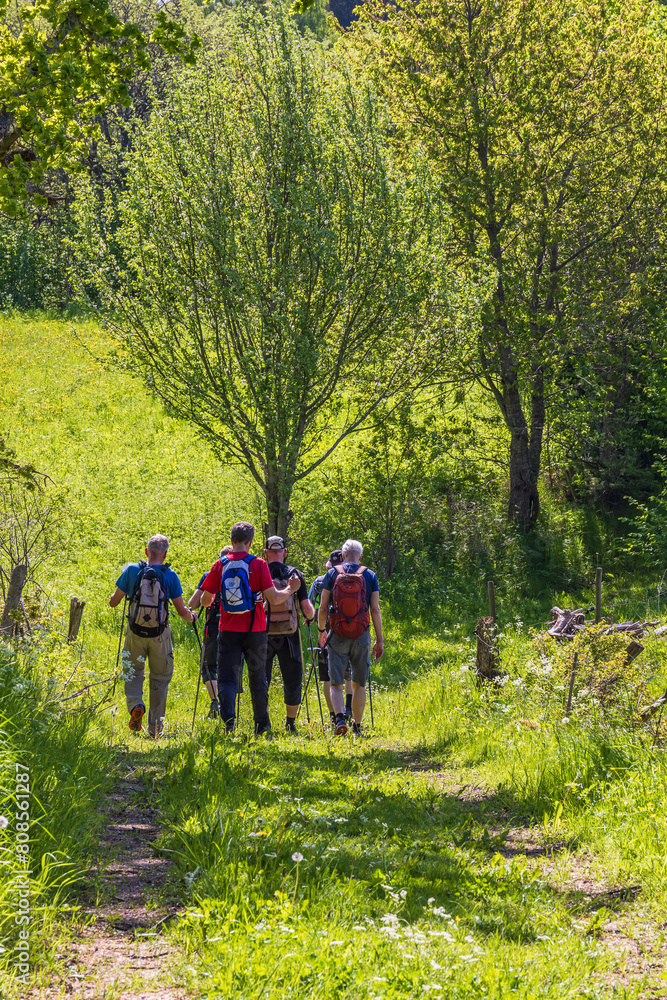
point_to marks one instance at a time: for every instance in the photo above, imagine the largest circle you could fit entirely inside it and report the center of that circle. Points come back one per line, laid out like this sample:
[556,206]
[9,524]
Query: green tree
[278,280]
[546,121]
[62,62]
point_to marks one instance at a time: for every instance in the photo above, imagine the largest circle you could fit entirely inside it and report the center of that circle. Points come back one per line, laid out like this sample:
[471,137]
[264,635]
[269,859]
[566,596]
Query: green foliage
[538,188]
[314,18]
[308,269]
[381,488]
[647,534]
[62,62]
[607,422]
[34,259]
[604,682]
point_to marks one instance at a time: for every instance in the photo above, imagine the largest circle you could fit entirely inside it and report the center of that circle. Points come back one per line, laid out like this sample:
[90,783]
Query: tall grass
[68,774]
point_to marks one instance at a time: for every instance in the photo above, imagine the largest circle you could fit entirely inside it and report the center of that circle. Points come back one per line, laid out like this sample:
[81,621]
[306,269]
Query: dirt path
[121,950]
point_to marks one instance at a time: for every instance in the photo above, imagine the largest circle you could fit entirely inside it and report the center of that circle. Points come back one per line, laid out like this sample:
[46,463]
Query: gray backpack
[148,614]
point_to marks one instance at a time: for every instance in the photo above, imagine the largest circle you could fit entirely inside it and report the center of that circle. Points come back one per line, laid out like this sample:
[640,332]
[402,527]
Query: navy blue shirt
[128,578]
[315,589]
[369,576]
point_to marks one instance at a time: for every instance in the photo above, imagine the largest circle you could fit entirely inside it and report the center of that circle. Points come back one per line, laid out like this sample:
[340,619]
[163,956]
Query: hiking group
[252,615]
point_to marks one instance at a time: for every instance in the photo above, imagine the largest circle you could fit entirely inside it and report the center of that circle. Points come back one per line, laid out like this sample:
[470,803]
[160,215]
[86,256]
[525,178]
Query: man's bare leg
[358,701]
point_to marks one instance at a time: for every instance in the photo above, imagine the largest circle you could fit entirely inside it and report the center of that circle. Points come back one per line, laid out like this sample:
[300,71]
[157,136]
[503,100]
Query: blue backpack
[236,597]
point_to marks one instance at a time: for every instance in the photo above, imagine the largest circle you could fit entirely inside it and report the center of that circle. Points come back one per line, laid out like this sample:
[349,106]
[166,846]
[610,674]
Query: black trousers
[288,651]
[209,667]
[232,648]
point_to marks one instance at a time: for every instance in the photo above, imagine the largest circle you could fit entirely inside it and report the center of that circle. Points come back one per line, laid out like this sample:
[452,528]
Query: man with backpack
[314,595]
[282,620]
[150,586]
[243,581]
[209,665]
[354,593]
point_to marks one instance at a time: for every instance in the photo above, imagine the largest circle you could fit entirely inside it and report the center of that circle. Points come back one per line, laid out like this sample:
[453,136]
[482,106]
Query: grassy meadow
[434,858]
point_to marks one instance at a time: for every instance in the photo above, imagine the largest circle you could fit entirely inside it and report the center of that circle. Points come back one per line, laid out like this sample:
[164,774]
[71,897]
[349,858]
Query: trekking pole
[120,640]
[370,694]
[304,697]
[201,665]
[317,686]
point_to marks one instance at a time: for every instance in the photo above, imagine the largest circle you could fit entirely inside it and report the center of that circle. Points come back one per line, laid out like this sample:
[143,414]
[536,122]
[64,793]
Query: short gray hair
[351,547]
[158,544]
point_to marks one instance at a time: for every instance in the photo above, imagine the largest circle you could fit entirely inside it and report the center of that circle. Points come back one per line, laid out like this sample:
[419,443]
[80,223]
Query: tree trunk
[525,452]
[13,602]
[277,494]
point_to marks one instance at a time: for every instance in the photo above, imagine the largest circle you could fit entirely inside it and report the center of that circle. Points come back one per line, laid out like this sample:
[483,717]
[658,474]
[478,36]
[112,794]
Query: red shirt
[259,579]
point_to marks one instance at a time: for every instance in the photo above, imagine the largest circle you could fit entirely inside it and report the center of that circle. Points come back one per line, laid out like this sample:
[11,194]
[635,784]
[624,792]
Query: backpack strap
[257,595]
[143,566]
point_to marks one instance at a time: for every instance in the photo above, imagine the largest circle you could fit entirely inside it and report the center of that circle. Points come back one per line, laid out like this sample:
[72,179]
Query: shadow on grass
[239,814]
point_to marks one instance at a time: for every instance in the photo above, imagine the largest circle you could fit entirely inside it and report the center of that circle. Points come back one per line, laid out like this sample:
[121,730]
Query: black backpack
[148,614]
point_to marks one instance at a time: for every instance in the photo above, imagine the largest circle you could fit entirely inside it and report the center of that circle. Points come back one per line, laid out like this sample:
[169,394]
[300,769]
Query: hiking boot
[214,710]
[230,727]
[264,730]
[348,716]
[136,715]
[290,727]
[341,725]
[356,729]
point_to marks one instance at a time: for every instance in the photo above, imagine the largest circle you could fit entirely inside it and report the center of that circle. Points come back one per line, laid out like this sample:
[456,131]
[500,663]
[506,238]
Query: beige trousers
[159,653]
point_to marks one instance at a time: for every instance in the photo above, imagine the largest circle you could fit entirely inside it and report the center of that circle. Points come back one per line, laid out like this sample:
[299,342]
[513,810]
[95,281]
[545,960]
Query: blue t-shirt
[128,579]
[369,576]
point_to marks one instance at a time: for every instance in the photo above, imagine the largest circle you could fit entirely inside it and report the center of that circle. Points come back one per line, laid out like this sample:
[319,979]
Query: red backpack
[349,616]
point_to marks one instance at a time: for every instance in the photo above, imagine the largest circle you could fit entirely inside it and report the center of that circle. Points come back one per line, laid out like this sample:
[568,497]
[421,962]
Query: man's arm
[280,596]
[196,599]
[271,594]
[322,613]
[116,597]
[308,609]
[376,615]
[186,614]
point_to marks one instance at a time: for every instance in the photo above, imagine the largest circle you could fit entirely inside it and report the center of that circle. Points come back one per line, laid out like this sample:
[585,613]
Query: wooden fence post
[75,614]
[487,665]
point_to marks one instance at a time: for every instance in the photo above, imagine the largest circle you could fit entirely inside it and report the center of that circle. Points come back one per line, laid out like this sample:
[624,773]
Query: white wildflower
[297,857]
